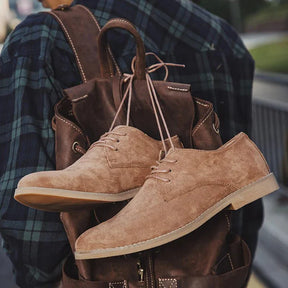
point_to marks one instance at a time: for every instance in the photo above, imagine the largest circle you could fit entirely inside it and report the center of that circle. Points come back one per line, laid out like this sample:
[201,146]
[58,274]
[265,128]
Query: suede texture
[105,170]
[197,181]
[172,260]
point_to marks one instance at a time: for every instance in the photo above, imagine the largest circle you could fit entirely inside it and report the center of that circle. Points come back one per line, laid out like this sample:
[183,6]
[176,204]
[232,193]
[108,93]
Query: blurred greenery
[247,14]
[269,14]
[223,8]
[272,57]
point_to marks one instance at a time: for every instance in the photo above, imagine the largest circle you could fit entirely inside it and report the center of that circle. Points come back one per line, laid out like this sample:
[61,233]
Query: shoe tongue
[176,142]
[161,155]
[123,128]
[171,150]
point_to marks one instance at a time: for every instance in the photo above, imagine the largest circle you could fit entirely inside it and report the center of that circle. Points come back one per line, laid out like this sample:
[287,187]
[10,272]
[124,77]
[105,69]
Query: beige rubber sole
[59,200]
[234,201]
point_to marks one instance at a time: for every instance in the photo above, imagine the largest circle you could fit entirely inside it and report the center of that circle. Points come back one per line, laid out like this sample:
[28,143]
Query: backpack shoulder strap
[81,30]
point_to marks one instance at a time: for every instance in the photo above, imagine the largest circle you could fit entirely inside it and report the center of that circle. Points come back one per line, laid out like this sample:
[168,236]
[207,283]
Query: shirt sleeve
[34,240]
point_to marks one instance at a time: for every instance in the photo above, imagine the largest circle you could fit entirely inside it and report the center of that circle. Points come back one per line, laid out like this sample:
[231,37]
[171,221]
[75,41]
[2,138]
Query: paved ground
[252,40]
[271,260]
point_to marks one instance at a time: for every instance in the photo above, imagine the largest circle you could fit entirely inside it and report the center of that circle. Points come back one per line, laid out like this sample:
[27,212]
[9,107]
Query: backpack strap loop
[81,30]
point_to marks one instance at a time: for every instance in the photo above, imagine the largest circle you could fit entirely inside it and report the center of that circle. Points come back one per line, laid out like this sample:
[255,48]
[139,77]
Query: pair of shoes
[185,188]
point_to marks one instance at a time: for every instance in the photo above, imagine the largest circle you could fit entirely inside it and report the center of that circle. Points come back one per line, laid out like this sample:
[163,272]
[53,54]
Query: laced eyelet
[170,170]
[74,147]
[215,129]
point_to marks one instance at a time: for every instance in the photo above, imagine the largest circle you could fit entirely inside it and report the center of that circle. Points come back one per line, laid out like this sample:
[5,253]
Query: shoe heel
[254,191]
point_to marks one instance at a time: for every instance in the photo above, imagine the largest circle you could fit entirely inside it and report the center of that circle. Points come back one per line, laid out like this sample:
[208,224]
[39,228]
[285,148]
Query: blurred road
[252,40]
[271,256]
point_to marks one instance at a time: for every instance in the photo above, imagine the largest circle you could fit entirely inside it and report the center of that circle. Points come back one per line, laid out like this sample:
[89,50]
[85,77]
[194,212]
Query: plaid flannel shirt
[37,63]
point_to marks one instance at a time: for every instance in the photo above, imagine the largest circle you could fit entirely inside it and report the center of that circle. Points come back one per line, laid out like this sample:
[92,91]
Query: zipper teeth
[147,278]
[150,265]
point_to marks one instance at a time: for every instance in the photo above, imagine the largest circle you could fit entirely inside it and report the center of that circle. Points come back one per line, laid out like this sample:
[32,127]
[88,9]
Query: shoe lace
[156,170]
[152,94]
[106,139]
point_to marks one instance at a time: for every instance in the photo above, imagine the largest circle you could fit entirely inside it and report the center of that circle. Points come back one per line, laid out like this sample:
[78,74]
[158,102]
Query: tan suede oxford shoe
[186,189]
[113,169]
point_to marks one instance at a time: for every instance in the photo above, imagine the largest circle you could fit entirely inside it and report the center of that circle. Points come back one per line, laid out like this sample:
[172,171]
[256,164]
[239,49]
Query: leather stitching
[123,283]
[73,47]
[202,122]
[98,26]
[70,124]
[228,222]
[202,104]
[178,89]
[230,261]
[80,98]
[173,283]
[92,16]
[108,48]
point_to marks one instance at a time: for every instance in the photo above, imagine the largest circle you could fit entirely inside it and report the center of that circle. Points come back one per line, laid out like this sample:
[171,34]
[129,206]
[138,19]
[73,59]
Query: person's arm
[35,240]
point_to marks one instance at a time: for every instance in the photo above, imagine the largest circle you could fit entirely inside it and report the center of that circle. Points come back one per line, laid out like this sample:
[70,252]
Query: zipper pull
[140,272]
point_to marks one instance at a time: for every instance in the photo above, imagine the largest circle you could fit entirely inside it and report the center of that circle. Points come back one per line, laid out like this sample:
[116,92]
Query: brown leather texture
[224,263]
[93,106]
[79,21]
[67,134]
[80,26]
[106,66]
[81,117]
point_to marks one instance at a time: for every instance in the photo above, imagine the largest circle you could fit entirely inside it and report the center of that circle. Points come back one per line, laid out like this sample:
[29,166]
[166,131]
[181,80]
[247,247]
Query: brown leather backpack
[87,110]
[208,257]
